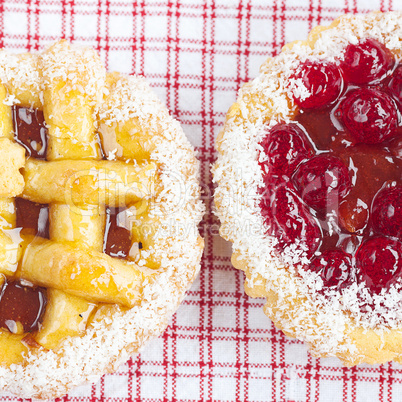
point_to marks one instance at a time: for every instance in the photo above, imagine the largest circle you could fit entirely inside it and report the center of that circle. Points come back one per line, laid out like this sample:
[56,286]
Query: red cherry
[286,146]
[370,115]
[323,82]
[334,267]
[380,262]
[387,211]
[367,62]
[288,218]
[353,214]
[322,179]
[395,84]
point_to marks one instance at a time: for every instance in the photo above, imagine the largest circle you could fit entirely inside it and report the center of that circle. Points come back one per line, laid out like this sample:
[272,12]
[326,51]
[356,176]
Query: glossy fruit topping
[21,307]
[370,167]
[289,219]
[334,267]
[379,260]
[387,211]
[321,181]
[32,217]
[395,84]
[366,62]
[30,131]
[353,215]
[370,115]
[286,146]
[333,179]
[323,82]
[116,241]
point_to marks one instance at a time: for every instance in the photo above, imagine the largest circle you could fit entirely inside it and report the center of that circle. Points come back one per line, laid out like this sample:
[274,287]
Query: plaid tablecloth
[219,345]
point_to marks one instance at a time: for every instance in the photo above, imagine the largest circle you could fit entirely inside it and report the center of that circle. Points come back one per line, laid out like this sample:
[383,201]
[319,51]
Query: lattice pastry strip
[93,182]
[71,135]
[67,315]
[11,183]
[12,158]
[74,222]
[69,100]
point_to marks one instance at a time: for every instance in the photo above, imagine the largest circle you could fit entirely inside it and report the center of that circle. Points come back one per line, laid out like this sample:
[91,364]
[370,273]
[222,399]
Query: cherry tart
[309,190]
[99,207]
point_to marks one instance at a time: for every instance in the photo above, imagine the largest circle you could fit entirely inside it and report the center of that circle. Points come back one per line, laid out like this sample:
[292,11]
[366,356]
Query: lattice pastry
[98,219]
[310,188]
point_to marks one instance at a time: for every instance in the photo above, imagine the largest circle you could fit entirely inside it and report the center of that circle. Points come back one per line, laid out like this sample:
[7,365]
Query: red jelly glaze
[321,181]
[23,304]
[117,241]
[379,260]
[387,211]
[361,238]
[286,146]
[30,131]
[366,62]
[371,167]
[395,85]
[370,115]
[334,267]
[289,219]
[323,81]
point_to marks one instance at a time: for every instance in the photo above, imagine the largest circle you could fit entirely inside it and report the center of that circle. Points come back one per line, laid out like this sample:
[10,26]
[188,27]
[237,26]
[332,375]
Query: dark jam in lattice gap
[117,241]
[334,176]
[21,307]
[30,131]
[32,217]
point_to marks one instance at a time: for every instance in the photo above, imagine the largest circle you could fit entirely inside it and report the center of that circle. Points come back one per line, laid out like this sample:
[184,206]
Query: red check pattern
[219,346]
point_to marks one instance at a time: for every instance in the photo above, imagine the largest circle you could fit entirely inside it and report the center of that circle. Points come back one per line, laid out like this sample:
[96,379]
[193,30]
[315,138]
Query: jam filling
[14,300]
[32,217]
[333,177]
[30,131]
[117,241]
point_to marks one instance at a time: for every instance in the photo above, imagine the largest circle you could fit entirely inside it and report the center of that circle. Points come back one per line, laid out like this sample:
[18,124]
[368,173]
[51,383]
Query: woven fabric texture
[196,54]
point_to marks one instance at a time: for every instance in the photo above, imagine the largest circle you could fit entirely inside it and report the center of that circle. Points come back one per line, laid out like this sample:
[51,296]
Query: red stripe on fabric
[247,41]
[176,52]
[107,20]
[353,379]
[381,390]
[72,20]
[93,393]
[1,23]
[282,365]
[63,19]
[275,30]
[98,26]
[390,381]
[36,26]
